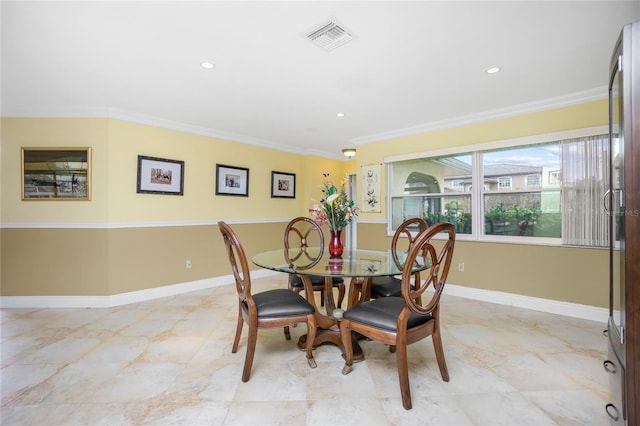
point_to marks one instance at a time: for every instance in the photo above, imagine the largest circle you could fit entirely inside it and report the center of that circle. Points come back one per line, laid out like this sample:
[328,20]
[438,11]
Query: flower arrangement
[335,209]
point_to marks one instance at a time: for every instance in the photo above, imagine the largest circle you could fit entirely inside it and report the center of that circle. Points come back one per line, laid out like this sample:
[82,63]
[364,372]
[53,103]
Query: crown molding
[496,114]
[133,117]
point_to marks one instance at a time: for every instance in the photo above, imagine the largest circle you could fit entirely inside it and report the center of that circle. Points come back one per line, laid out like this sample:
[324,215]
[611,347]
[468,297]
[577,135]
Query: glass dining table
[361,265]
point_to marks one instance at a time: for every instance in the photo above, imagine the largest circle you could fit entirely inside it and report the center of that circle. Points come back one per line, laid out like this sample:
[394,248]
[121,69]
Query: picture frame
[231,180]
[371,188]
[56,174]
[160,176]
[283,185]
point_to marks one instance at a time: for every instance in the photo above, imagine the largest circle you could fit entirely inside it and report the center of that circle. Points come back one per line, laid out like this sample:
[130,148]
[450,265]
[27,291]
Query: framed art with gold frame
[56,174]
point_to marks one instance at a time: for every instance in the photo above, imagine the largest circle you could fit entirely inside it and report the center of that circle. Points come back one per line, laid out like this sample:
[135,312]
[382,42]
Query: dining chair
[300,236]
[401,321]
[389,286]
[268,309]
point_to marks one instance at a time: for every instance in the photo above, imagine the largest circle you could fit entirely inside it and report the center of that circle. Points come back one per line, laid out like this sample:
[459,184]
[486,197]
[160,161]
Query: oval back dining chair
[389,286]
[268,309]
[302,235]
[401,321]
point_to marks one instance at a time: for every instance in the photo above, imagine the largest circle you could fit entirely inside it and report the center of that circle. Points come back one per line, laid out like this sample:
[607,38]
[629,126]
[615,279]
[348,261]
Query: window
[515,207]
[436,189]
[504,183]
[525,192]
[533,181]
[458,184]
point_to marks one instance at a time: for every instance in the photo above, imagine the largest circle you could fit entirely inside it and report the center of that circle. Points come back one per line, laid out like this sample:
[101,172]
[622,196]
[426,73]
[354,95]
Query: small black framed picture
[231,180]
[283,185]
[160,176]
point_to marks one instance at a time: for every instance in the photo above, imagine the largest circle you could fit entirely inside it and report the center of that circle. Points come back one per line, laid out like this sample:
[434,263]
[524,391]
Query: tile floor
[169,361]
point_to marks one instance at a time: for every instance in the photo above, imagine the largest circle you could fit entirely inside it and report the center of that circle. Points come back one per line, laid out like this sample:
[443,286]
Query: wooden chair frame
[303,228]
[247,308]
[402,336]
[402,230]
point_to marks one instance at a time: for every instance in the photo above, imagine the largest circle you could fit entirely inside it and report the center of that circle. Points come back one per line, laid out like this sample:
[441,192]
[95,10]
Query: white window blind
[585,174]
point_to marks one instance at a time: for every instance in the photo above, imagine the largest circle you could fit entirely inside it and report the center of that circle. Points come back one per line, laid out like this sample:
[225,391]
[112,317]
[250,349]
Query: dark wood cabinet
[623,207]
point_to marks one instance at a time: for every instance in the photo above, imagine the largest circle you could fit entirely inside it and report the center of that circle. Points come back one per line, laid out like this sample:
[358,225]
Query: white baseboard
[573,310]
[543,305]
[122,298]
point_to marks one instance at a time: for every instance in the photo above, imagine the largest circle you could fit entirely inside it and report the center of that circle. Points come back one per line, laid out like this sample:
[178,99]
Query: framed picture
[371,188]
[56,174]
[160,176]
[283,185]
[232,180]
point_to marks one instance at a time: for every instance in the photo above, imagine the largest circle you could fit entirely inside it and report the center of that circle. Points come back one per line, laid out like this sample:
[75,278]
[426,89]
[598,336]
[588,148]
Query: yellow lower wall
[90,262]
[101,262]
[54,262]
[567,274]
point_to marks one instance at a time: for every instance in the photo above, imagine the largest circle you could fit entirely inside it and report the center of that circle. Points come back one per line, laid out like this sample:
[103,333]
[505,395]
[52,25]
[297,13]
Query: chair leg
[311,336]
[287,333]
[321,297]
[239,325]
[341,292]
[403,375]
[345,334]
[251,350]
[355,288]
[437,346]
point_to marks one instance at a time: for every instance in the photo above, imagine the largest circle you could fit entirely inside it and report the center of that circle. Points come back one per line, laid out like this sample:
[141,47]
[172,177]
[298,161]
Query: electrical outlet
[188,264]
[461,266]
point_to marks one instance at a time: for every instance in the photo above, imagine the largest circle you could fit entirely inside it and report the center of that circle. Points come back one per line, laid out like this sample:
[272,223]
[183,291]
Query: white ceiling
[412,67]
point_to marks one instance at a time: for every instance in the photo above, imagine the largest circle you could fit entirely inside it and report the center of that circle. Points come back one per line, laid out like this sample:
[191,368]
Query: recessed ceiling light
[207,65]
[340,114]
[493,70]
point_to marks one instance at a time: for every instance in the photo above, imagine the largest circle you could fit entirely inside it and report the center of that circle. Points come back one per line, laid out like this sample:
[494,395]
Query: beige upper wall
[29,132]
[116,144]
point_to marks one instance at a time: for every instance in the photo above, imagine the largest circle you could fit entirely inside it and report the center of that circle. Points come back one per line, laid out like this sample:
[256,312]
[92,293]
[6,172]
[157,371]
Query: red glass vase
[335,243]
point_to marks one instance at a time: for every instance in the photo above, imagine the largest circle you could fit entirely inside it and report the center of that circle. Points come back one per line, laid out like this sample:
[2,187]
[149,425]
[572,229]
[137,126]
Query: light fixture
[208,65]
[493,70]
[349,152]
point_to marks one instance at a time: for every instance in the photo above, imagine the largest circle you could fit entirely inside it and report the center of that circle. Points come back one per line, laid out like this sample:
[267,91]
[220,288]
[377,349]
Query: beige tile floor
[169,361]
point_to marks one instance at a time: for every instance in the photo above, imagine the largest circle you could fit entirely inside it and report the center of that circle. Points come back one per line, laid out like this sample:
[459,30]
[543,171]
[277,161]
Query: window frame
[537,185]
[477,198]
[503,179]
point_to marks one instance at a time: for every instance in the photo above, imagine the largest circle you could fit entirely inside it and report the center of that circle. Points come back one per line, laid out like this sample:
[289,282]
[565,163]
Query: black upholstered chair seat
[316,280]
[281,303]
[383,313]
[386,287]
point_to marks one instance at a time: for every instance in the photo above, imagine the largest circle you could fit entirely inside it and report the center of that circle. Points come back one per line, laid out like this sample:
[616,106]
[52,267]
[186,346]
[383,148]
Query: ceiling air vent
[329,36]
